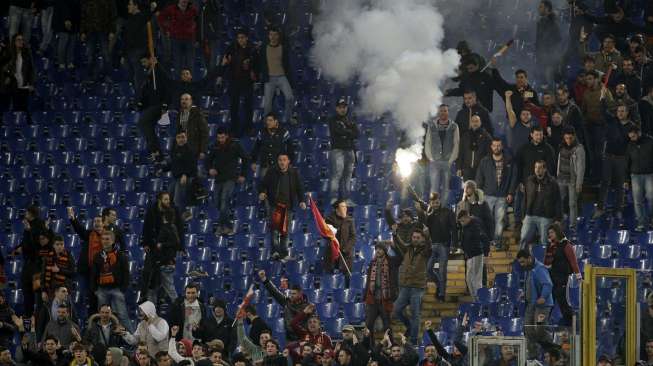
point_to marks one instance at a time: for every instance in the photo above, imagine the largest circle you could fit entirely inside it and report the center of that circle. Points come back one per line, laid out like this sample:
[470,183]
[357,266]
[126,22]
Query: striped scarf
[385,281]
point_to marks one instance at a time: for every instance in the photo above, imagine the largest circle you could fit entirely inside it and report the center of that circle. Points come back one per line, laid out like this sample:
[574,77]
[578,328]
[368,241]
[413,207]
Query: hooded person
[115,357]
[153,330]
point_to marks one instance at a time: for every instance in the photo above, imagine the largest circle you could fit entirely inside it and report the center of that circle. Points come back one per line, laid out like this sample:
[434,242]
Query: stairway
[499,261]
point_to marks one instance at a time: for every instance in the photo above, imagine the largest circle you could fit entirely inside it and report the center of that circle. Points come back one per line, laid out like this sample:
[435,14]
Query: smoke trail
[393,48]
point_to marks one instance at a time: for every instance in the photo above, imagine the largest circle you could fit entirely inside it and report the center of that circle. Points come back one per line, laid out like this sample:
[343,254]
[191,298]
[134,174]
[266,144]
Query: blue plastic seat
[331,282]
[327,310]
[355,312]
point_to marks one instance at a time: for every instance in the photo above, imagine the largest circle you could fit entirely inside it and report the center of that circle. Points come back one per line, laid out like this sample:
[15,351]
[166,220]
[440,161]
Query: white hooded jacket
[153,331]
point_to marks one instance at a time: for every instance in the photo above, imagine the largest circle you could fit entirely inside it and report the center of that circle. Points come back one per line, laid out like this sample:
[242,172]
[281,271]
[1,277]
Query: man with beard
[471,107]
[474,146]
[606,57]
[412,279]
[222,165]
[571,172]
[542,206]
[380,288]
[346,235]
[270,142]
[312,333]
[621,96]
[191,120]
[101,332]
[161,221]
[63,328]
[570,112]
[458,354]
[472,241]
[292,304]
[628,77]
[217,325]
[639,169]
[613,167]
[497,178]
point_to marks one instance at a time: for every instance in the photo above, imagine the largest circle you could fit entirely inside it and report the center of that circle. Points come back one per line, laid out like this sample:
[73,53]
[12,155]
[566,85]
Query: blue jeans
[179,193]
[439,255]
[115,298]
[440,175]
[167,284]
[221,197]
[532,223]
[66,48]
[342,167]
[568,191]
[20,19]
[642,185]
[409,296]
[498,207]
[518,205]
[280,242]
[270,88]
[183,53]
[46,27]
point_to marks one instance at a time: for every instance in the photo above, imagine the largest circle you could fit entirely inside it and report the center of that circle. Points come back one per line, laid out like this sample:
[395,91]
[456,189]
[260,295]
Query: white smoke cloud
[393,48]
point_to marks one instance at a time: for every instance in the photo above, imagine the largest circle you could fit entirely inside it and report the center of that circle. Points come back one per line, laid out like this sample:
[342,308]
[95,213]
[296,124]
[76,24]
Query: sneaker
[640,228]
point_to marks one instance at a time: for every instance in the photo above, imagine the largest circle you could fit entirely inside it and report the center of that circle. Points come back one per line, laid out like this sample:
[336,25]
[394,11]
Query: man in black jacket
[292,304]
[472,107]
[639,165]
[547,43]
[153,103]
[473,242]
[441,223]
[497,178]
[110,278]
[346,235]
[344,133]
[188,313]
[543,204]
[109,219]
[191,120]
[474,146]
[613,165]
[135,41]
[571,114]
[283,189]
[474,80]
[222,165]
[183,166]
[645,107]
[101,332]
[239,64]
[270,142]
[211,27]
[217,325]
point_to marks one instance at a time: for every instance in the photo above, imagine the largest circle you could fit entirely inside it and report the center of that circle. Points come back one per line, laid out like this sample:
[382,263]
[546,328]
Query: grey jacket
[437,150]
[577,162]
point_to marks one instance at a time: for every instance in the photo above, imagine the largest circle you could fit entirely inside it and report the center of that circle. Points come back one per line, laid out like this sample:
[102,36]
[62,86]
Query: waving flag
[241,309]
[327,231]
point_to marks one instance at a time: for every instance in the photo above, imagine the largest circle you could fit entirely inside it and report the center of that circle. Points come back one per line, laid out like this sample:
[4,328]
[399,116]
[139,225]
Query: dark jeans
[183,54]
[221,198]
[560,298]
[136,71]
[16,100]
[613,176]
[280,242]
[97,46]
[596,138]
[374,311]
[439,255]
[236,91]
[147,124]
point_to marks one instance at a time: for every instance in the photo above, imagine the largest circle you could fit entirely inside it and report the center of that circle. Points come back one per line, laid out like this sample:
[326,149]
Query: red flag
[246,300]
[325,231]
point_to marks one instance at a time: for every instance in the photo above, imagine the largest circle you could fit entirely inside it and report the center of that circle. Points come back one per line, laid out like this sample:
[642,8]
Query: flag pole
[344,261]
[251,289]
[150,47]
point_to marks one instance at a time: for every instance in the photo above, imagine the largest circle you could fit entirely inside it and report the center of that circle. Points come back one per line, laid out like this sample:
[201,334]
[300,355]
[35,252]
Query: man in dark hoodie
[283,190]
[222,165]
[613,168]
[31,249]
[110,277]
[270,142]
[217,325]
[542,204]
[639,168]
[292,304]
[239,66]
[183,166]
[346,235]
[471,107]
[344,133]
[474,146]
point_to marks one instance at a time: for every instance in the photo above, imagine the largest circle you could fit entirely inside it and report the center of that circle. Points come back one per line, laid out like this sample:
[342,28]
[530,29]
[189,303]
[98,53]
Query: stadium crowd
[561,139]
